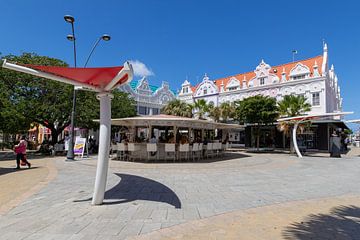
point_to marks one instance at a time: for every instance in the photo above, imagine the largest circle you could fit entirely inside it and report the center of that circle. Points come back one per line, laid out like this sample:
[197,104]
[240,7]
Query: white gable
[206,87]
[233,82]
[299,69]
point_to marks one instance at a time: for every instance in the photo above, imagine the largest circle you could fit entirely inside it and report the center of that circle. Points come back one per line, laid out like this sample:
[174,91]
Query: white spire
[222,86]
[243,85]
[283,75]
[206,78]
[316,70]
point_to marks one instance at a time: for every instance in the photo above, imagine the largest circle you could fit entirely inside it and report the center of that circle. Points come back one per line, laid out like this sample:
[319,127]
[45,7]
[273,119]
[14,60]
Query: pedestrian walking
[20,151]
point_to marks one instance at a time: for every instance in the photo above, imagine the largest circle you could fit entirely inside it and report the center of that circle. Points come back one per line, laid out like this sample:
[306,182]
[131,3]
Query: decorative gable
[185,88]
[262,74]
[300,71]
[143,87]
[233,84]
[206,87]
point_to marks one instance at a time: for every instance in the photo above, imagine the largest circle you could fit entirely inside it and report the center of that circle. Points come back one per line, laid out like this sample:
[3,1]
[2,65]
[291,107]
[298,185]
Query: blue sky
[176,39]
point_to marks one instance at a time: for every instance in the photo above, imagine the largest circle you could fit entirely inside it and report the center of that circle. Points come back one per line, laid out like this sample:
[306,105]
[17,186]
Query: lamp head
[70,37]
[69,18]
[106,37]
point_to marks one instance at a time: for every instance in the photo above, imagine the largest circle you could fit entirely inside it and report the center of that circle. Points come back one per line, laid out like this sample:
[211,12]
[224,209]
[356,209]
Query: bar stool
[121,151]
[170,148]
[184,148]
[195,150]
[201,147]
[151,148]
[217,149]
[209,149]
[132,151]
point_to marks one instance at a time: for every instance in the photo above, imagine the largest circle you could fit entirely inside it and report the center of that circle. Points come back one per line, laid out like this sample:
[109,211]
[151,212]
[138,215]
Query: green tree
[227,111]
[258,110]
[36,99]
[291,106]
[178,108]
[215,113]
[49,103]
[201,108]
[122,105]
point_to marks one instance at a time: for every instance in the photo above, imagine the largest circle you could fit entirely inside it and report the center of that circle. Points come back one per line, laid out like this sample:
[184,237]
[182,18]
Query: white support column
[104,147]
[294,139]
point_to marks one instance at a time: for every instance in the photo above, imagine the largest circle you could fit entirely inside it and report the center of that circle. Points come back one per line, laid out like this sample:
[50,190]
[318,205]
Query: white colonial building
[309,77]
[149,98]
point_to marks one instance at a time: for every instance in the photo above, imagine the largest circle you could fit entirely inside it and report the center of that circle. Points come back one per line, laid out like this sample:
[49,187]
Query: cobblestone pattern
[145,197]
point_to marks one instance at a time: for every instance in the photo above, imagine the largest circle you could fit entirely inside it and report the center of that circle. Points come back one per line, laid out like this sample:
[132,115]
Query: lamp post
[71,37]
[70,154]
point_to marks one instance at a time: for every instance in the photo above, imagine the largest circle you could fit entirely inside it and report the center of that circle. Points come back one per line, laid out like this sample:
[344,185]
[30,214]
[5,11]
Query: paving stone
[163,195]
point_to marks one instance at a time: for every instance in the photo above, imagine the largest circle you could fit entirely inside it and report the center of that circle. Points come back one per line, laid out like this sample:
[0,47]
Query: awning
[97,79]
[169,120]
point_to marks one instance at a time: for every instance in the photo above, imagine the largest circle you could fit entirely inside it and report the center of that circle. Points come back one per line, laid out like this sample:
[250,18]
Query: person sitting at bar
[184,139]
[171,138]
[153,139]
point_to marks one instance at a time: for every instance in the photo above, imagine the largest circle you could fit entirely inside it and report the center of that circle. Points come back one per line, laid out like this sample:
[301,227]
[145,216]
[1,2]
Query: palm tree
[227,111]
[215,113]
[201,108]
[292,106]
[178,108]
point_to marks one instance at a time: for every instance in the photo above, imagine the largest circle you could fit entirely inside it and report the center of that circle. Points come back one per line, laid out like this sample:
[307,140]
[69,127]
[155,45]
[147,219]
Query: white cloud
[140,69]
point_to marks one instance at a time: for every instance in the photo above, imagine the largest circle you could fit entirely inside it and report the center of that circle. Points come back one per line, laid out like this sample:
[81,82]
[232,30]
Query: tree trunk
[54,136]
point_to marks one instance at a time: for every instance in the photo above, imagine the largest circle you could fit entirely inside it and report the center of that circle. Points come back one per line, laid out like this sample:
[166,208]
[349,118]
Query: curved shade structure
[303,118]
[96,79]
[101,80]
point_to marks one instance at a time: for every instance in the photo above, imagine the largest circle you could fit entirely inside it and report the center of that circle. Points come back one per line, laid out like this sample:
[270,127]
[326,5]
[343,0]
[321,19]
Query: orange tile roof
[279,69]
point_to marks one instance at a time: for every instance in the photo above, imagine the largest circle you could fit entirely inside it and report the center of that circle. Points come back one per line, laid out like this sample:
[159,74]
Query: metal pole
[92,50]
[70,154]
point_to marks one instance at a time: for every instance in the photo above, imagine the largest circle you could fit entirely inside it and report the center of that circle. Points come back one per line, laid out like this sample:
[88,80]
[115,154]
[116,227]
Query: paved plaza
[204,200]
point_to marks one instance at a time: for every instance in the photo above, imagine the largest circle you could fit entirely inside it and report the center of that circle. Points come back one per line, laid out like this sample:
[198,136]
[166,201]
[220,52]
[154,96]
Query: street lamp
[104,37]
[71,37]
[70,154]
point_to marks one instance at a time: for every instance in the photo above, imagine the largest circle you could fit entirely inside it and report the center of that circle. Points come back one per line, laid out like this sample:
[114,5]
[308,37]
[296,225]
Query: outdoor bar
[167,137]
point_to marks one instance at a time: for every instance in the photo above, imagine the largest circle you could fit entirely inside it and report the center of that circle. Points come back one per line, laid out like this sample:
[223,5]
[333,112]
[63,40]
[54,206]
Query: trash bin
[335,147]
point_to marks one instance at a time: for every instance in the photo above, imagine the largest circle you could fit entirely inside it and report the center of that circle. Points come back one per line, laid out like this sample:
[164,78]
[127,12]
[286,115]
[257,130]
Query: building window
[185,90]
[205,91]
[155,111]
[316,99]
[142,110]
[299,77]
[232,88]
[262,81]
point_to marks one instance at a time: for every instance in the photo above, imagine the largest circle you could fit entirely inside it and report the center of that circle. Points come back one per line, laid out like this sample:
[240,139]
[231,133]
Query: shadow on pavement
[132,188]
[342,222]
[4,171]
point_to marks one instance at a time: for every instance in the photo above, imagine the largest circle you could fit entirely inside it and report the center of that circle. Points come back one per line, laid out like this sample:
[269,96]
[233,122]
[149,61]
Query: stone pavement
[142,198]
[329,218]
[17,185]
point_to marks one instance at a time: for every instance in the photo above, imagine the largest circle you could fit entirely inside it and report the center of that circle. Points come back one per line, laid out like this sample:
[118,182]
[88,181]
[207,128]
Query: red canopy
[98,77]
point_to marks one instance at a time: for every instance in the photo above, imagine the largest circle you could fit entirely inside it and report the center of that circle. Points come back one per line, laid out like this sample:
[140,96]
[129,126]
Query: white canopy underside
[354,121]
[171,121]
[313,116]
